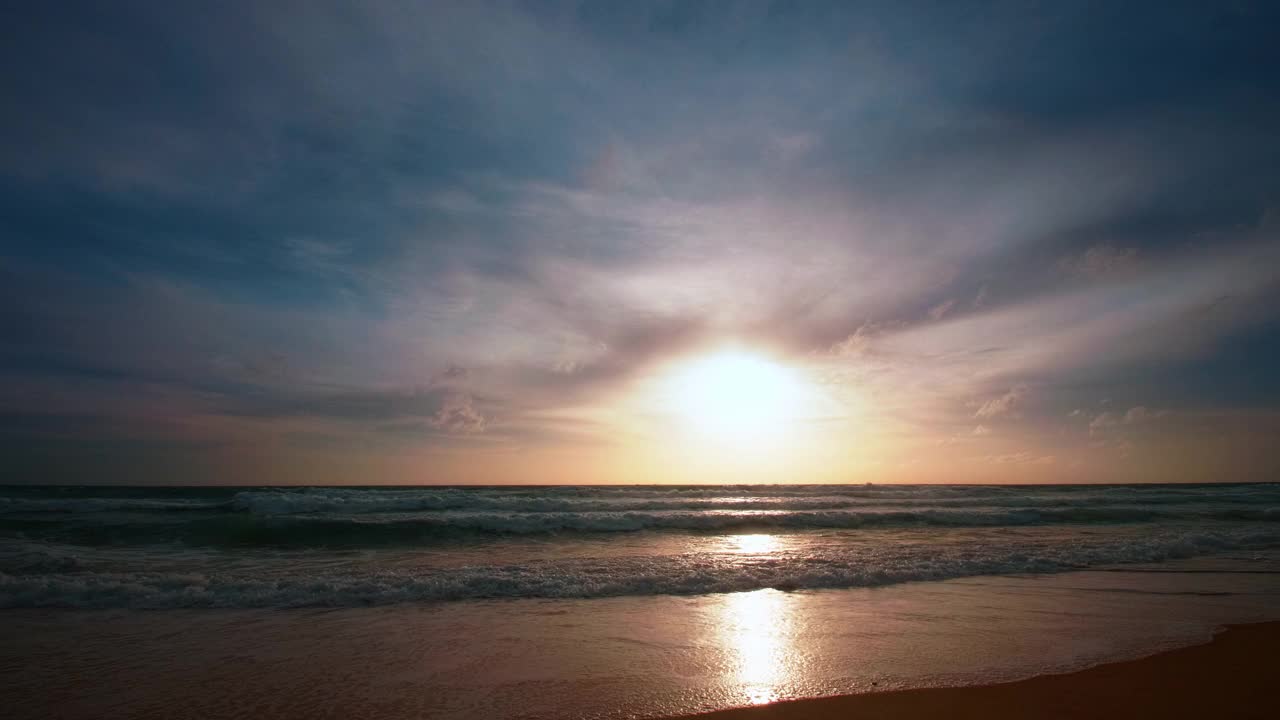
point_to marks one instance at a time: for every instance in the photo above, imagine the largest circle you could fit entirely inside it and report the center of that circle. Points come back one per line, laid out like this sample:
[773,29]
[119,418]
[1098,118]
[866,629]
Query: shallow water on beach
[648,656]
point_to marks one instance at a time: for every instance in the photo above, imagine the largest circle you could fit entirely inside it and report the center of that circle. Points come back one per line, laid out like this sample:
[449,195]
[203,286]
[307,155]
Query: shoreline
[1232,676]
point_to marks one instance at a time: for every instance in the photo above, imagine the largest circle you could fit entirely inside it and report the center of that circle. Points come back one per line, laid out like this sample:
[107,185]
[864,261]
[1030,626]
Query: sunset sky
[411,242]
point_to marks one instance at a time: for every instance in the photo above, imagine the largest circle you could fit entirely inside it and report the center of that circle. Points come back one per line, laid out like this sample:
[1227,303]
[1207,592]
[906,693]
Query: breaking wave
[354,501]
[685,574]
[380,517]
[401,529]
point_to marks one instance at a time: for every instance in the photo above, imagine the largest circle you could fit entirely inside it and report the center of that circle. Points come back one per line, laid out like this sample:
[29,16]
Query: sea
[600,601]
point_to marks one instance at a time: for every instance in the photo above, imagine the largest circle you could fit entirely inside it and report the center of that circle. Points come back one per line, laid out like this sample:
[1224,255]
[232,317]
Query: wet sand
[1237,675]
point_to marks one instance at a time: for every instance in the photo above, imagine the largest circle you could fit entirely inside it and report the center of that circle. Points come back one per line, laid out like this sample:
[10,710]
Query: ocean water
[599,602]
[353,547]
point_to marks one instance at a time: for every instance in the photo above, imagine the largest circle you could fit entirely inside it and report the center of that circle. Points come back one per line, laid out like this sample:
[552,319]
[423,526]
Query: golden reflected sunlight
[753,544]
[757,629]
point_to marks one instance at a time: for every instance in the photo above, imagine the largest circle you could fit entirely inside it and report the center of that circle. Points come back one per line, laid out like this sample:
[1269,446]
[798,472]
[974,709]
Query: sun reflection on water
[756,627]
[754,544]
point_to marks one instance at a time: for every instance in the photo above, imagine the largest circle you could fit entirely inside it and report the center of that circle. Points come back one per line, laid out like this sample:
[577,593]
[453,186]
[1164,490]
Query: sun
[736,396]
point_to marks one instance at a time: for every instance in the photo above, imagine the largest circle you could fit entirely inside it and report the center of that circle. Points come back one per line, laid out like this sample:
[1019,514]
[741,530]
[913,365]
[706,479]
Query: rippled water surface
[337,547]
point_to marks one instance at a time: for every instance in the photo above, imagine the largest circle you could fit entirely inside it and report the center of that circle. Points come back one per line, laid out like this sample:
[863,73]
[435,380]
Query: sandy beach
[1234,676]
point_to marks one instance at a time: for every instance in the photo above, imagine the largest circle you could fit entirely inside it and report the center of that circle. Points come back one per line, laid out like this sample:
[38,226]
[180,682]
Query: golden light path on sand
[757,629]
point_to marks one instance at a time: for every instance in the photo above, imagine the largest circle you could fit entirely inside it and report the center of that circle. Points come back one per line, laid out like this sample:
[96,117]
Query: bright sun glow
[737,396]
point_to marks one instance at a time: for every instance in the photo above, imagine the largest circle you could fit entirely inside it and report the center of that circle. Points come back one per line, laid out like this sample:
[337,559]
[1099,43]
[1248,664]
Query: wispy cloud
[1008,404]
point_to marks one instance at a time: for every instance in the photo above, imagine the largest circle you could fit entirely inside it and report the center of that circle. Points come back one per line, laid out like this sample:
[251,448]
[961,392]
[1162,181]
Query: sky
[403,242]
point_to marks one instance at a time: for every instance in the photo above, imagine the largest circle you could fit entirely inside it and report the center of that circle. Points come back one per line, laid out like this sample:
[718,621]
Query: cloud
[1102,261]
[1006,405]
[937,312]
[1166,313]
[349,405]
[980,299]
[1102,422]
[1135,415]
[857,344]
[1019,458]
[607,354]
[453,373]
[457,414]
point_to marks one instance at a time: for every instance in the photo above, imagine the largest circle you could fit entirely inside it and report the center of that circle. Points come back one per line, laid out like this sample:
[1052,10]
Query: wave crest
[649,575]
